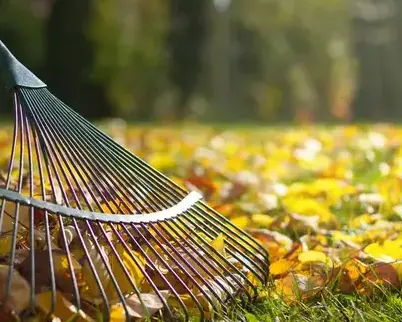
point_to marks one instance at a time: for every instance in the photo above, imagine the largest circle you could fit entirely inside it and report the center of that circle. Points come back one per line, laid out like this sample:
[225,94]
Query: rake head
[87,229]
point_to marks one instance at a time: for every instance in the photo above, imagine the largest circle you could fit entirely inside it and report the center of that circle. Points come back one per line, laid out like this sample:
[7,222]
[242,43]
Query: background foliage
[274,60]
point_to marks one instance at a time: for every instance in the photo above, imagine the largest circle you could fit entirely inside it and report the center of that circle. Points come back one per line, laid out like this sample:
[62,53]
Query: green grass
[329,307]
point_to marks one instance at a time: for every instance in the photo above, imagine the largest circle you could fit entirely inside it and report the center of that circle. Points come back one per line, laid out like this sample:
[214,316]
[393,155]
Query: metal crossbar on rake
[94,231]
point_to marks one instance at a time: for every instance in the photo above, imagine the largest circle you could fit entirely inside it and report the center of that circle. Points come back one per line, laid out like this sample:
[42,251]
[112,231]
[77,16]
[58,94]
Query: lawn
[325,201]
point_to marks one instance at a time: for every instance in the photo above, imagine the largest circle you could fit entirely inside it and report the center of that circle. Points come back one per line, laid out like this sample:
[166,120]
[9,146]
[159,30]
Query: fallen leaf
[18,298]
[132,266]
[219,244]
[64,309]
[312,256]
[280,267]
[150,305]
[43,272]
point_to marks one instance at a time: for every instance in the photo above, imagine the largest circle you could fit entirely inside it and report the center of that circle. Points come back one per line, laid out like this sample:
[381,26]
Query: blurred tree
[247,70]
[296,39]
[378,51]
[130,59]
[220,60]
[69,58]
[185,43]
[24,39]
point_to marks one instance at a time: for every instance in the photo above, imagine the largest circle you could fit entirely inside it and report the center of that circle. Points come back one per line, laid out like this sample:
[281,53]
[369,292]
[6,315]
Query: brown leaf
[20,256]
[151,305]
[383,273]
[18,298]
[237,189]
[42,270]
[204,185]
[297,286]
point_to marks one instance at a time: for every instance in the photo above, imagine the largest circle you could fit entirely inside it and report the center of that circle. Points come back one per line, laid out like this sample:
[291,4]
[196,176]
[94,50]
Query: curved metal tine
[245,237]
[31,213]
[95,176]
[227,223]
[125,154]
[248,260]
[18,121]
[145,181]
[205,260]
[143,271]
[161,275]
[208,230]
[122,266]
[54,148]
[131,161]
[47,226]
[47,146]
[90,148]
[182,268]
[213,218]
[249,266]
[71,153]
[74,160]
[49,162]
[108,268]
[147,178]
[65,110]
[123,167]
[200,242]
[11,160]
[130,182]
[61,223]
[92,266]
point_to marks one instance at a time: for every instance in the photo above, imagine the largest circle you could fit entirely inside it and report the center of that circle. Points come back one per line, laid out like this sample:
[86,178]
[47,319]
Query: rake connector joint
[14,73]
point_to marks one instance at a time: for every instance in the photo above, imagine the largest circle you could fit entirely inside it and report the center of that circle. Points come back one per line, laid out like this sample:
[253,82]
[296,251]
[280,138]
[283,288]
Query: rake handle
[14,73]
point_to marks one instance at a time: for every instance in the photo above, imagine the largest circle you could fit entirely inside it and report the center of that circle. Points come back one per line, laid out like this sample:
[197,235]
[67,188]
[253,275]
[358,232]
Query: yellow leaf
[261,220]
[312,256]
[241,222]
[5,245]
[132,266]
[161,161]
[308,207]
[219,244]
[64,309]
[296,286]
[92,291]
[389,251]
[280,267]
[117,313]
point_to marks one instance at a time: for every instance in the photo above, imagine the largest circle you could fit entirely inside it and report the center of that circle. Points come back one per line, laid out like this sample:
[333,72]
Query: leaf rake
[89,231]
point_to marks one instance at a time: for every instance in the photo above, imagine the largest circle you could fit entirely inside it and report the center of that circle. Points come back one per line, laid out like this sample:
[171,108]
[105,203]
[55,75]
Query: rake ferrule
[14,73]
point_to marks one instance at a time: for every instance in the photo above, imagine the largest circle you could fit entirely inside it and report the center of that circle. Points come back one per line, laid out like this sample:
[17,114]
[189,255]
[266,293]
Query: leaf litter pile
[326,203]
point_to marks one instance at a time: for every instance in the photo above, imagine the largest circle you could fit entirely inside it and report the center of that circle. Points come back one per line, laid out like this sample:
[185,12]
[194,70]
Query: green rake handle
[14,73]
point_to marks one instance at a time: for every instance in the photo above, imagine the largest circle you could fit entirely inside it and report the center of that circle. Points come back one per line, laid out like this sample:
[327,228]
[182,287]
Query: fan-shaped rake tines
[88,229]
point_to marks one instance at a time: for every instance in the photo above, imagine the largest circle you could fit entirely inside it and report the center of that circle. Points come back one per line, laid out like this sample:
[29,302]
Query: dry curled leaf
[147,306]
[43,271]
[19,296]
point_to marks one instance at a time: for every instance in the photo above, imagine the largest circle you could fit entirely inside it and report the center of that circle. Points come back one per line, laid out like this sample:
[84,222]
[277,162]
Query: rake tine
[124,228]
